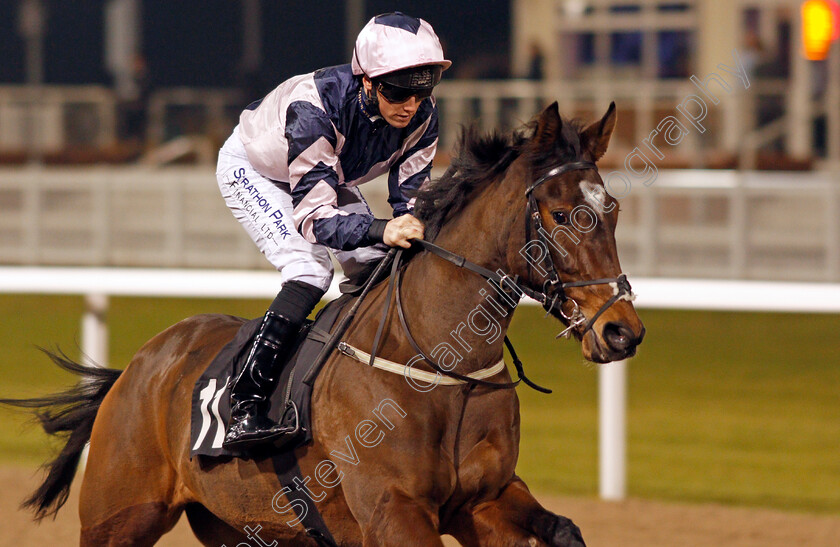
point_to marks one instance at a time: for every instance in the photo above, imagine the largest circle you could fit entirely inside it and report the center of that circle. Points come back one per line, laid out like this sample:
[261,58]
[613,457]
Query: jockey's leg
[271,348]
[514,518]
[264,208]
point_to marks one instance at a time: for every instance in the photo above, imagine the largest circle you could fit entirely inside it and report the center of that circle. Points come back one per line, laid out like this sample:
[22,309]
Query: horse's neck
[454,307]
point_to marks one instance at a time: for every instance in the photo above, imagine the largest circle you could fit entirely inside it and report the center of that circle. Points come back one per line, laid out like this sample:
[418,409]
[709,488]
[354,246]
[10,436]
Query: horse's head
[565,234]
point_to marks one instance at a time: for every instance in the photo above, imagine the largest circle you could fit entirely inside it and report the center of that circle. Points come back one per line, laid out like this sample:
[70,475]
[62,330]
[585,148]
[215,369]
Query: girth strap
[287,469]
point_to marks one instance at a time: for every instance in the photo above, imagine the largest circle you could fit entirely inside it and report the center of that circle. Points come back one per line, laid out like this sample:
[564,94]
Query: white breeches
[264,208]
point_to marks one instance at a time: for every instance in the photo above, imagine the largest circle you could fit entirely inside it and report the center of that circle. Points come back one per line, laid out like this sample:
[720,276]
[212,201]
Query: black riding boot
[252,388]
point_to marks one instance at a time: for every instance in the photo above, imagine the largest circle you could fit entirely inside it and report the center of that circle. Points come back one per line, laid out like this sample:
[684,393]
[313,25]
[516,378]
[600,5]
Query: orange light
[820,25]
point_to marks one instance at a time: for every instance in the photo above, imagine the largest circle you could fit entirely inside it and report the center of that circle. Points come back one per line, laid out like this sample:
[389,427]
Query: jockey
[289,173]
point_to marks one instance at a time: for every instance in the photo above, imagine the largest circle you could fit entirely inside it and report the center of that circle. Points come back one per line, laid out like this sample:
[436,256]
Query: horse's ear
[548,126]
[596,137]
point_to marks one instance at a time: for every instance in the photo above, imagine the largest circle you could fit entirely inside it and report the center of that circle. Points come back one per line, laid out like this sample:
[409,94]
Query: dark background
[200,43]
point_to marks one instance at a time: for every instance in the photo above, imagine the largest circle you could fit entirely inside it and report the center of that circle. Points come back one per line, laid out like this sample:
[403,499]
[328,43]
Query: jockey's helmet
[401,53]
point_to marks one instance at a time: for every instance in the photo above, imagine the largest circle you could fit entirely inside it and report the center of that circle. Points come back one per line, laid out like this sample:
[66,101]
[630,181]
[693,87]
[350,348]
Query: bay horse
[393,464]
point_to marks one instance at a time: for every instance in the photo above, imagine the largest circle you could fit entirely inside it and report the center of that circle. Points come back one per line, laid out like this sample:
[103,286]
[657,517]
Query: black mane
[479,159]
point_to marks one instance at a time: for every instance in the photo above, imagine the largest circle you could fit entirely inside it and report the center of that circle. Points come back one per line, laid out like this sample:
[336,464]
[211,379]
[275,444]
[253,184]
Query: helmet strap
[370,102]
[373,99]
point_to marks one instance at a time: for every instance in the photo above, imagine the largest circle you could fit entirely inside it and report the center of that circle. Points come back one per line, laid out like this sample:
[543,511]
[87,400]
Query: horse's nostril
[618,336]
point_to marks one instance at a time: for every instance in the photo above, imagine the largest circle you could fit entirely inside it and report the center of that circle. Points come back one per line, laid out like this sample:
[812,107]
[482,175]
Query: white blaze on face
[595,196]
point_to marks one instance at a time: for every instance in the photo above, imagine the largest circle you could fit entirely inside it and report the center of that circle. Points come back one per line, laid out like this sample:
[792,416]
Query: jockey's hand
[400,230]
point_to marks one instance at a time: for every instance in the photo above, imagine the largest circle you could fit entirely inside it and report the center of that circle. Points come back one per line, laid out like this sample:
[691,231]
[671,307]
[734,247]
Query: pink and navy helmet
[394,42]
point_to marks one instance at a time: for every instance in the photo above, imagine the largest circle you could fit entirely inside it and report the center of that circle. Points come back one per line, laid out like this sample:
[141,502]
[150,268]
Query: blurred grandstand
[754,195]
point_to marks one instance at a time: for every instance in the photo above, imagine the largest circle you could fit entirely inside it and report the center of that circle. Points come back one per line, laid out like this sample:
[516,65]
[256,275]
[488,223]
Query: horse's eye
[560,217]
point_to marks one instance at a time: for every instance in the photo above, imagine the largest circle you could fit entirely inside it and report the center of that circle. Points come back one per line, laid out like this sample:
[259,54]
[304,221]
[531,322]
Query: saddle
[291,400]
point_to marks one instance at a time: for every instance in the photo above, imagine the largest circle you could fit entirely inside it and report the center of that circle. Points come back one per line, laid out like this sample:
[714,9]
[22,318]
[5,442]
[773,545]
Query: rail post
[95,330]
[612,430]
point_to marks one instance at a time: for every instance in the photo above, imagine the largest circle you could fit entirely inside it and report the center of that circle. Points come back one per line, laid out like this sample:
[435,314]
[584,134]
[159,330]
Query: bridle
[553,293]
[553,289]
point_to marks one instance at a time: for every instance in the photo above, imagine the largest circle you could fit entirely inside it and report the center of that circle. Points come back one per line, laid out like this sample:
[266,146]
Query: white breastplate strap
[419,375]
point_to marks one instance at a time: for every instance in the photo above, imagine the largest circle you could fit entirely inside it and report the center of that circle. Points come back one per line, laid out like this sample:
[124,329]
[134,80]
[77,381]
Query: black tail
[69,414]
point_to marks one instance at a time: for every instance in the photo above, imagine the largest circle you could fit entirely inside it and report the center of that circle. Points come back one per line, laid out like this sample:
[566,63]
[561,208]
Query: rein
[553,288]
[397,277]
[395,284]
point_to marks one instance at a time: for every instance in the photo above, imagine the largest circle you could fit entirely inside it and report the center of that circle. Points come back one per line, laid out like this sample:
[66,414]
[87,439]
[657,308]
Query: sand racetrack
[633,523]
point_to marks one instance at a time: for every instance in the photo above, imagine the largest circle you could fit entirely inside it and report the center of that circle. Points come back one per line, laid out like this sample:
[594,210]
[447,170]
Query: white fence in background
[98,284]
[119,217]
[688,223]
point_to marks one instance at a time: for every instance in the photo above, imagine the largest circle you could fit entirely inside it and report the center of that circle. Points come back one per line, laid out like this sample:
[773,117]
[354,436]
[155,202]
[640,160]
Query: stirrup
[294,431]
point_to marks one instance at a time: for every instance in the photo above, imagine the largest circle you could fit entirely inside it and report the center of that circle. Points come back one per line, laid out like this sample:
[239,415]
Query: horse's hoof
[566,534]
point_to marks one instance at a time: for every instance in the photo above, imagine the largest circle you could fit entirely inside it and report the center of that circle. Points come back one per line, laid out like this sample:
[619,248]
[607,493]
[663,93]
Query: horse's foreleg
[399,520]
[514,518]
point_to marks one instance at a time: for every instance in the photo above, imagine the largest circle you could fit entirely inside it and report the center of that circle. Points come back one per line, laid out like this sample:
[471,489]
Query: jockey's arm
[314,180]
[407,175]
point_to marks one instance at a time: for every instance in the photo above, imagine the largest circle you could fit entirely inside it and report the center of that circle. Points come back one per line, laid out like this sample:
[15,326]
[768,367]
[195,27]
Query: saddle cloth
[290,402]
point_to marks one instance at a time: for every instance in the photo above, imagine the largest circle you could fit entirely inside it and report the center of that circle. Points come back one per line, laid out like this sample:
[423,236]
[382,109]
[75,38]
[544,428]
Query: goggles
[394,94]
